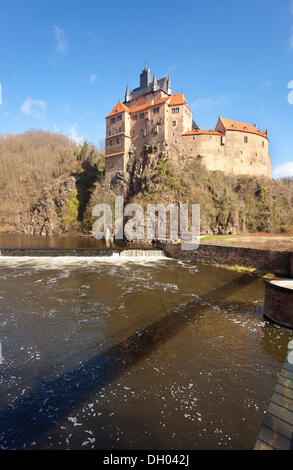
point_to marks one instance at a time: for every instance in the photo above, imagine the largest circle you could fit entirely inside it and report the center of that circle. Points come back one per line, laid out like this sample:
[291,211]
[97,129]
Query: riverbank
[263,262]
[261,241]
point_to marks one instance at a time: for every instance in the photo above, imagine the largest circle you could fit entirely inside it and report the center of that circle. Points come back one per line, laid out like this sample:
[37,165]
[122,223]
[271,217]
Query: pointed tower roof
[155,83]
[127,93]
[169,84]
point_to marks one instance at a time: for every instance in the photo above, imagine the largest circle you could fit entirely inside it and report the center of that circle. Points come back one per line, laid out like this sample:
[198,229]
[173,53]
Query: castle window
[175,110]
[109,132]
[263,144]
[110,142]
[173,123]
[141,116]
[245,139]
[112,120]
[118,140]
[119,118]
[135,117]
[141,131]
[156,110]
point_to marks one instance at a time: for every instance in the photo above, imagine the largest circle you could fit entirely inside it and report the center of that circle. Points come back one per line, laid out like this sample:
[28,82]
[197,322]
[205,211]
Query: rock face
[47,215]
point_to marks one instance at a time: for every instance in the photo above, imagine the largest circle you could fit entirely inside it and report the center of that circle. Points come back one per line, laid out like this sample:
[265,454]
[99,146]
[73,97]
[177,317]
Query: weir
[82,252]
[142,253]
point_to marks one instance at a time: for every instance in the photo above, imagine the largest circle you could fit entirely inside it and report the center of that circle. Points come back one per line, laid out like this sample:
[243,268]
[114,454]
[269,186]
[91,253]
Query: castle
[153,119]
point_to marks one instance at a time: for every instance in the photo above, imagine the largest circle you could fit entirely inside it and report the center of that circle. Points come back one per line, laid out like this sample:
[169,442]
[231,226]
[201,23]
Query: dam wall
[57,252]
[279,263]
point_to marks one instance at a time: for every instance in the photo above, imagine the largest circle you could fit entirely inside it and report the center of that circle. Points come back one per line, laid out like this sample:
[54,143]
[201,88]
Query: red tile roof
[148,105]
[114,154]
[176,100]
[173,100]
[231,125]
[202,131]
[119,108]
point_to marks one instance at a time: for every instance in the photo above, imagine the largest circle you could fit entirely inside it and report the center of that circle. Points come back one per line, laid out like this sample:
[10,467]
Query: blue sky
[64,64]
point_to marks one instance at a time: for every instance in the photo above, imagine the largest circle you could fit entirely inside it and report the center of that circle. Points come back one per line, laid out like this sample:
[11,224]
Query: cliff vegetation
[49,184]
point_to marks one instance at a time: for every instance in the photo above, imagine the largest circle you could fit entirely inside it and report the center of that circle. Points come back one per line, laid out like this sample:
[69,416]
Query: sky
[64,64]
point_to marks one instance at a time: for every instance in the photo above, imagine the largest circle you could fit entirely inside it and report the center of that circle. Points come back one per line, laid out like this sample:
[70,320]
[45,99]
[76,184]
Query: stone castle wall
[231,155]
[149,130]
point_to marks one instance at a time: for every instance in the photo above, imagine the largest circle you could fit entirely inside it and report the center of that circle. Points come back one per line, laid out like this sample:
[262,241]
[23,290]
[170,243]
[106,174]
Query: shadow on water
[30,417]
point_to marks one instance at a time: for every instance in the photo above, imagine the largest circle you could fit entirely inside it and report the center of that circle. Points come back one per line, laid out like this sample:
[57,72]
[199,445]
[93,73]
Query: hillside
[38,163]
[229,204]
[48,185]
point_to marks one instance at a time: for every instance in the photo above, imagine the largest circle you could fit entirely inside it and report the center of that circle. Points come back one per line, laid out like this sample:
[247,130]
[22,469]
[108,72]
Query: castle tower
[145,77]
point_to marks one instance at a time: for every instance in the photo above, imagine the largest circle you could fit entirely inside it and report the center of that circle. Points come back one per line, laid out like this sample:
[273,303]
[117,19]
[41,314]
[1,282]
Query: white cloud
[61,45]
[0,93]
[35,108]
[284,170]
[93,78]
[222,99]
[73,134]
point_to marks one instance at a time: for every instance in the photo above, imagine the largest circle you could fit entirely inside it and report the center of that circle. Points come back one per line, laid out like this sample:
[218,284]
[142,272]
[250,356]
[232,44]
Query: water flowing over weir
[131,349]
[142,253]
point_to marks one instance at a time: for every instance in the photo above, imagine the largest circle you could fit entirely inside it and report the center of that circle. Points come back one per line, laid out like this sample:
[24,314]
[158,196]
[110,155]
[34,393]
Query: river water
[133,353]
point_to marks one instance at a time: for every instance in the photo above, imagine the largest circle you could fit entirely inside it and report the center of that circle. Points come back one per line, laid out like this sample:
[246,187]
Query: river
[132,353]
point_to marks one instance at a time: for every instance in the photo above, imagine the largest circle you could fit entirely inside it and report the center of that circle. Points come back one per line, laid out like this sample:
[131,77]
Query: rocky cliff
[48,186]
[56,204]
[229,204]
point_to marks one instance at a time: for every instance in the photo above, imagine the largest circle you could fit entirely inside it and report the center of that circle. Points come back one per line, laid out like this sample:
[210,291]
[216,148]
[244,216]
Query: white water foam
[59,262]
